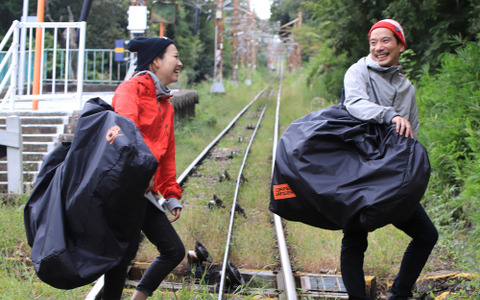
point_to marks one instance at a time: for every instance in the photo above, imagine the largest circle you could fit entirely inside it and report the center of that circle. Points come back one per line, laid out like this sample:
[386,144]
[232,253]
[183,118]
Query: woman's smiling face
[384,47]
[168,67]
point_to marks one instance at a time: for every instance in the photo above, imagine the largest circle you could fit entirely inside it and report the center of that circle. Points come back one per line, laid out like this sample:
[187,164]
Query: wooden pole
[235,22]
[38,53]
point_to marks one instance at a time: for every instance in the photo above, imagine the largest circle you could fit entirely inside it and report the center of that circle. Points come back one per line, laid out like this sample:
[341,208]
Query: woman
[144,99]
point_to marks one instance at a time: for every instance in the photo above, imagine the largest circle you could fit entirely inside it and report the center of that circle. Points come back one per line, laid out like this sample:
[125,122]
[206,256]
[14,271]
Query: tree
[10,10]
[285,10]
[343,25]
[103,29]
[196,50]
[428,24]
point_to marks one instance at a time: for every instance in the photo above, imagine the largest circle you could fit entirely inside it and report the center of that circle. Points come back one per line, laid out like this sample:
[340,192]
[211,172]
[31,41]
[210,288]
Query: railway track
[226,196]
[250,257]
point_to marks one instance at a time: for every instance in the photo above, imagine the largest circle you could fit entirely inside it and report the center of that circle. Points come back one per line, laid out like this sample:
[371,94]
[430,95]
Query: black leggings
[158,229]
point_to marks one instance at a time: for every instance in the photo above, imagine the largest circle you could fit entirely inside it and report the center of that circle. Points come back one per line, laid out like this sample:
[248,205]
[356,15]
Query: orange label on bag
[283,191]
[113,133]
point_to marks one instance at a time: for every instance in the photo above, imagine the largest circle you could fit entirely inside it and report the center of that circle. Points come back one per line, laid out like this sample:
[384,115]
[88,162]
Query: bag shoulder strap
[342,98]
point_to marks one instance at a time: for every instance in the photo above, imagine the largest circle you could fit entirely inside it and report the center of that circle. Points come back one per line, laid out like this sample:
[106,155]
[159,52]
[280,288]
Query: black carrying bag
[333,171]
[80,218]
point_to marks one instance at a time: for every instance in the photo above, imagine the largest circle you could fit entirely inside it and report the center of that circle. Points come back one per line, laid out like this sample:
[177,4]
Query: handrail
[8,34]
[94,65]
[6,78]
[6,58]
[17,49]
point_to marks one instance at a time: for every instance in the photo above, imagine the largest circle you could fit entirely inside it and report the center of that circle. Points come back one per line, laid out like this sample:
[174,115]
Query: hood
[375,66]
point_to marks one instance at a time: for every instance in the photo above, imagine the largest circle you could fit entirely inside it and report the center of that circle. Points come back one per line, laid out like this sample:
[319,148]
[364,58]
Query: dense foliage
[10,10]
[449,106]
[102,30]
[428,25]
[342,26]
[195,42]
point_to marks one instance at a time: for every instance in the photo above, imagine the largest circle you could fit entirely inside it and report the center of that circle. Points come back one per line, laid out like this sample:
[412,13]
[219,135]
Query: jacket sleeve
[125,101]
[165,178]
[358,101]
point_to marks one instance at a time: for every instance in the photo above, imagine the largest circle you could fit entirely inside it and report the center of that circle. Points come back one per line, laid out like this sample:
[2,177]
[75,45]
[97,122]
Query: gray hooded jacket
[392,93]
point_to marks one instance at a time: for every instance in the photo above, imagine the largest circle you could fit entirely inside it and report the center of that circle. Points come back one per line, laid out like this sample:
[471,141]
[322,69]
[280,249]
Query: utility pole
[295,56]
[235,22]
[217,86]
[254,43]
[137,25]
[298,61]
[249,41]
[242,42]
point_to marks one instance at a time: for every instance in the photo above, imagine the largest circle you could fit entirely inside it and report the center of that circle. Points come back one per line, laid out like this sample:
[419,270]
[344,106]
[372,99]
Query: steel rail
[98,287]
[189,169]
[201,156]
[289,281]
[232,212]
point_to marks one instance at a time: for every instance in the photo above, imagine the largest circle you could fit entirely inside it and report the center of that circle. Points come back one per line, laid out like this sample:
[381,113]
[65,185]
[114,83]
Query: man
[376,91]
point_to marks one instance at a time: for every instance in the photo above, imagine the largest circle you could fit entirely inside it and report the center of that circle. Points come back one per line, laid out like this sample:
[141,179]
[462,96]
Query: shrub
[449,109]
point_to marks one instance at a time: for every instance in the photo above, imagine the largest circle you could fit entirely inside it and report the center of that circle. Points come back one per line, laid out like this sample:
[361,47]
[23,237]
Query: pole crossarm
[290,23]
[245,11]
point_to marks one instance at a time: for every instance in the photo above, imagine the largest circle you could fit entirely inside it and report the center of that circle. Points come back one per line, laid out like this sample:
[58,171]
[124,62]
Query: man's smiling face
[384,47]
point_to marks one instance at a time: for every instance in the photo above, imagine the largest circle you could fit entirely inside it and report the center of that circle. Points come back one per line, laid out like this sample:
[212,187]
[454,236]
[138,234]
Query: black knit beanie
[147,48]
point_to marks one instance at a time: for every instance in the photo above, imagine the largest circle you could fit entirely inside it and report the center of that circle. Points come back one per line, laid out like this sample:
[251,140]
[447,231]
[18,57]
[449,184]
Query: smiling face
[168,67]
[384,47]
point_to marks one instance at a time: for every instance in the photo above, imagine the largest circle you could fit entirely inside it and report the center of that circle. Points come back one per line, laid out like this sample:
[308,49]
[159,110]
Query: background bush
[449,108]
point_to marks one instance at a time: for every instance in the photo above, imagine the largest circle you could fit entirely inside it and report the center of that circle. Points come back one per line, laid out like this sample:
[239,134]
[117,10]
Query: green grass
[17,277]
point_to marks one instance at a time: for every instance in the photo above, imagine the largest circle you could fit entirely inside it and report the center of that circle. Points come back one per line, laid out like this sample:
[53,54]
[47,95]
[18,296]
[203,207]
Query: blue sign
[119,50]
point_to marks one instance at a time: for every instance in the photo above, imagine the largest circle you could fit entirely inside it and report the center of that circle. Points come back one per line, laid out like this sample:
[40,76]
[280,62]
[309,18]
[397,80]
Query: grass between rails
[249,243]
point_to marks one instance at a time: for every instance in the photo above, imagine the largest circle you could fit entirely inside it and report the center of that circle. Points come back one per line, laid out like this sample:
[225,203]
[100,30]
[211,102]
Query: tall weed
[449,108]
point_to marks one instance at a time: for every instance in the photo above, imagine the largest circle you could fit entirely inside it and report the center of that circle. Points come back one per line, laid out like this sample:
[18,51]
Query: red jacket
[136,99]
